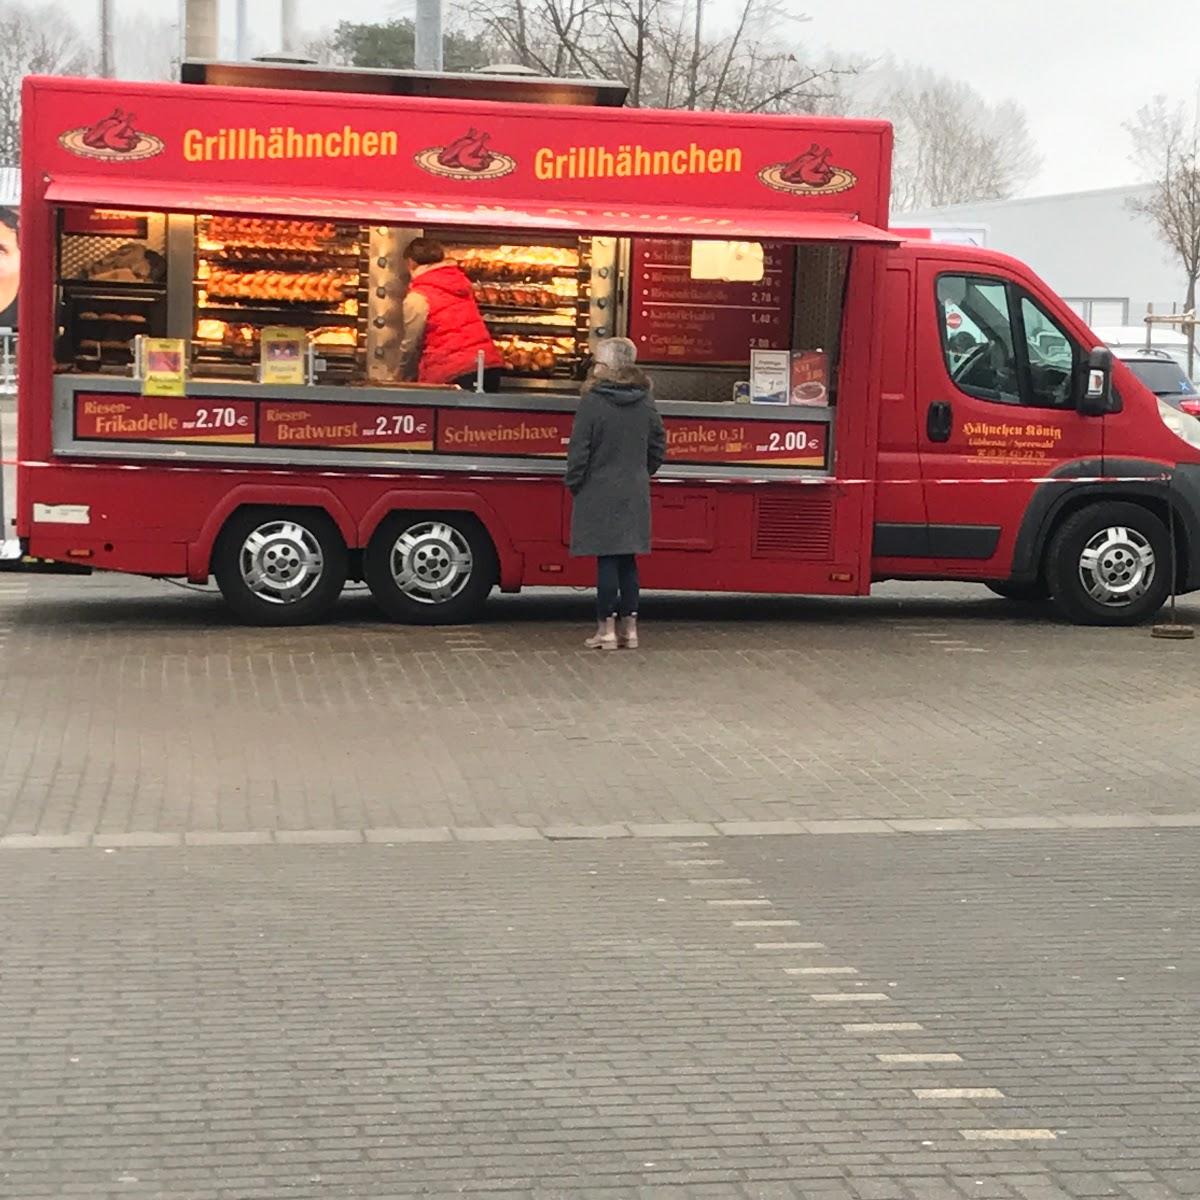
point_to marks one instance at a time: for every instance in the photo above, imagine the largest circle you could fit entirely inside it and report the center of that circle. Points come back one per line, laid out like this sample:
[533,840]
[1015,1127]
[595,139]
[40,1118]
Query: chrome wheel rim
[281,562]
[1117,566]
[431,563]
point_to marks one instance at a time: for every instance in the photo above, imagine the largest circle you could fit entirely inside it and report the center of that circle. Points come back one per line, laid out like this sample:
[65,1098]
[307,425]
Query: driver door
[994,417]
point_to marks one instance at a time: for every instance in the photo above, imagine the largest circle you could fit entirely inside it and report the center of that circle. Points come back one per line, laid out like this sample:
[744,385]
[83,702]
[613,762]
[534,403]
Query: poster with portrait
[10,266]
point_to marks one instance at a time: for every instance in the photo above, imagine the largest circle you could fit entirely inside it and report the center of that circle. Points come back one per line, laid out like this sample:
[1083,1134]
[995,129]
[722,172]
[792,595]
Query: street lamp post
[106,39]
[428,50]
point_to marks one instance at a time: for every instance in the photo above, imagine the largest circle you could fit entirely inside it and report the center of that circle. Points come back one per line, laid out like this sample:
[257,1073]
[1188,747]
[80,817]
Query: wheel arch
[1159,493]
[199,552]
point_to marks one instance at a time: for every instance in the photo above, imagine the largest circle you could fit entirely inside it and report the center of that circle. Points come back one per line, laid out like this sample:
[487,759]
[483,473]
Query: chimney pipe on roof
[289,18]
[202,29]
[428,51]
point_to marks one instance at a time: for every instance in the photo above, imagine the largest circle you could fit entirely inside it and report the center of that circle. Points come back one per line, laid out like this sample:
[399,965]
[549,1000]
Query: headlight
[1185,427]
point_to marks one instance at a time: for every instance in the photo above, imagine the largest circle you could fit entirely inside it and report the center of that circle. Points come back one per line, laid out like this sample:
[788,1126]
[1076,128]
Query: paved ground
[631,988]
[853,1018]
[135,706]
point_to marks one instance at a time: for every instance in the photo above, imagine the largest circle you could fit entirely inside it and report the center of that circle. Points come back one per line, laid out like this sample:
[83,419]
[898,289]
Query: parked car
[1131,339]
[1162,374]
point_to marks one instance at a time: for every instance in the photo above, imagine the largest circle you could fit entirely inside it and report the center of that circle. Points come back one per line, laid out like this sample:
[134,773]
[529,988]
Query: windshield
[1163,377]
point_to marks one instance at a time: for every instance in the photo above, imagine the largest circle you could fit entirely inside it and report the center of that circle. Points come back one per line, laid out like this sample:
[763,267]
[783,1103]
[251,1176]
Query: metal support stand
[1172,630]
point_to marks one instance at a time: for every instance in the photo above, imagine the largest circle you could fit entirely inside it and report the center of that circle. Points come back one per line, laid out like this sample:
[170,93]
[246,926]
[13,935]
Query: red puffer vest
[455,332]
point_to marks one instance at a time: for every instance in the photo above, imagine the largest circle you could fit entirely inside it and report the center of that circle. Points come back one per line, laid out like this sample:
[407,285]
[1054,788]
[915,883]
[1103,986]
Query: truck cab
[1045,467]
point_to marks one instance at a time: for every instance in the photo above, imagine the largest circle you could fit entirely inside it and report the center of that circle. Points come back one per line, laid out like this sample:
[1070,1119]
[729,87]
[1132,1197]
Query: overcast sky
[1079,67]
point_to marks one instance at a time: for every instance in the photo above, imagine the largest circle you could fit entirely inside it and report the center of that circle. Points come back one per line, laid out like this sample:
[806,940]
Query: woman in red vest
[443,331]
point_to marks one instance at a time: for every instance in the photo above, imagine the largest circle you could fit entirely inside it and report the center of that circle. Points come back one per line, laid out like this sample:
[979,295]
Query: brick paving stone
[317,837]
[673,829]
[497,833]
[1022,822]
[850,826]
[567,833]
[933,825]
[759,828]
[136,839]
[219,837]
[409,835]
[45,841]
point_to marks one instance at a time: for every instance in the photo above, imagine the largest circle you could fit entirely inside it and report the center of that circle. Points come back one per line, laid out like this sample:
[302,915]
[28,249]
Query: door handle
[939,421]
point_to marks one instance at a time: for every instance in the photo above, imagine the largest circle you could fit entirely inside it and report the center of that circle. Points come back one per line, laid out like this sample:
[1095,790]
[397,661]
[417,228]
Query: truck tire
[431,568]
[280,566]
[1026,593]
[1109,564]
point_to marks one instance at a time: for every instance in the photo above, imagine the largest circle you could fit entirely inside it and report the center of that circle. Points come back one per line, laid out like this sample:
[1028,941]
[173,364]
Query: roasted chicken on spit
[271,233]
[315,287]
[495,263]
[530,356]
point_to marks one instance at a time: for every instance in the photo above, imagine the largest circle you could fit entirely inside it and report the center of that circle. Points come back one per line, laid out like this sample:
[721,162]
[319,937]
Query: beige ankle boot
[628,637]
[605,637]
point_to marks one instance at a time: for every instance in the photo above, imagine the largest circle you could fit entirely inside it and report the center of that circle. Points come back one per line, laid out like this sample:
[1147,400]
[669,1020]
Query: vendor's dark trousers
[617,587]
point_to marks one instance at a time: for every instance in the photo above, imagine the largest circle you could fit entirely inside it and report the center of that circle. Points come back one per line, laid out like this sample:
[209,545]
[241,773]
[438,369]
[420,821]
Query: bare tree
[659,48]
[1166,143]
[554,37]
[33,41]
[747,72]
[952,146]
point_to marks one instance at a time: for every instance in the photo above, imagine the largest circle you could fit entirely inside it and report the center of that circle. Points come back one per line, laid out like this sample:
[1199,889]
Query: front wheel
[280,566]
[431,568]
[1109,564]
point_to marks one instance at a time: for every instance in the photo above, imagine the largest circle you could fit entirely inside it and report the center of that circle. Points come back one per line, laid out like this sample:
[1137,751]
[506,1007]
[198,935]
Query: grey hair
[616,354]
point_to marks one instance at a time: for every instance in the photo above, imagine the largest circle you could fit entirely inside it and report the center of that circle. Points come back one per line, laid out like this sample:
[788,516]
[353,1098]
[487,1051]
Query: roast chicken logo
[115,138]
[809,174]
[467,157]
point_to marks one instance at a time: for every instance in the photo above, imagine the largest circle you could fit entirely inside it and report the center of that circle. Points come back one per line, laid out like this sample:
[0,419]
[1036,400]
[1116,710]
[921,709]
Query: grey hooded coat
[617,443]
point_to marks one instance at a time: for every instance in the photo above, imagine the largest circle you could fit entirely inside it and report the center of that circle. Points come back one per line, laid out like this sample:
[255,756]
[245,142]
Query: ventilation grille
[794,526]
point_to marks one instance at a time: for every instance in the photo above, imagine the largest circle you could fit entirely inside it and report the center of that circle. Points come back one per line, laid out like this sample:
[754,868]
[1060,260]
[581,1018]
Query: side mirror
[1094,395]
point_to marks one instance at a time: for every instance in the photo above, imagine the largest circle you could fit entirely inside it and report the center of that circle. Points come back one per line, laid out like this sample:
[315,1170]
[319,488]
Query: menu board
[468,434]
[674,318]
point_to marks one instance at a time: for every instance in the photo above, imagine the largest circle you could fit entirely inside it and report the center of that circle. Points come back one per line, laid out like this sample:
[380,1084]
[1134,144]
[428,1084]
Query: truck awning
[373,208]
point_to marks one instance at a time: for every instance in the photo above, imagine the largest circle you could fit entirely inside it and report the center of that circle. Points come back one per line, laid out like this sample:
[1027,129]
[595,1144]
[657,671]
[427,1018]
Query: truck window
[988,367]
[1051,358]
[1001,345]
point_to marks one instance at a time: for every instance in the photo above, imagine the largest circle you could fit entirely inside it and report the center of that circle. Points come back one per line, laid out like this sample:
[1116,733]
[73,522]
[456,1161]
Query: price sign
[674,318]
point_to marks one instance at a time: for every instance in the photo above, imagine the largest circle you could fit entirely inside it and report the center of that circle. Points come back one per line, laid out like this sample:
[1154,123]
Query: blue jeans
[616,586]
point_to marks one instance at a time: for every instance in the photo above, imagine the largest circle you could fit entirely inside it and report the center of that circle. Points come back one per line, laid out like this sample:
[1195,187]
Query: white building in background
[1100,256]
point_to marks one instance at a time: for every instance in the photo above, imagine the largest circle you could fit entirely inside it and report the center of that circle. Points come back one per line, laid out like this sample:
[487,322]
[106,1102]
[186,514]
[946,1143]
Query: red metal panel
[453,160]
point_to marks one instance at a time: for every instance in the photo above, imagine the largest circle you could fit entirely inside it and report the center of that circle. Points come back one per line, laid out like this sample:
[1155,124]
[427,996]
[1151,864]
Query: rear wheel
[431,568]
[1027,593]
[278,566]
[1109,564]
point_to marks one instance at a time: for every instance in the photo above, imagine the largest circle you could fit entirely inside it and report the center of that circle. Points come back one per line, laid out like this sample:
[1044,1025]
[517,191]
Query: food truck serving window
[230,283]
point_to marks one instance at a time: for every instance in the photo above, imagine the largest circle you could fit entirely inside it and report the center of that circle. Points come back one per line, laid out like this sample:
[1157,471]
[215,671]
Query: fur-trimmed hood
[628,385]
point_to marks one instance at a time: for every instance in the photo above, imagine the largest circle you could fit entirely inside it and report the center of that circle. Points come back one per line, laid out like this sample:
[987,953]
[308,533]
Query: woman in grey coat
[617,443]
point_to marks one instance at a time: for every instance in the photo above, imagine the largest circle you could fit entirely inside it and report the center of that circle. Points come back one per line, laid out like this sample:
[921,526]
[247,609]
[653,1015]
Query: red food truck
[211,383]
